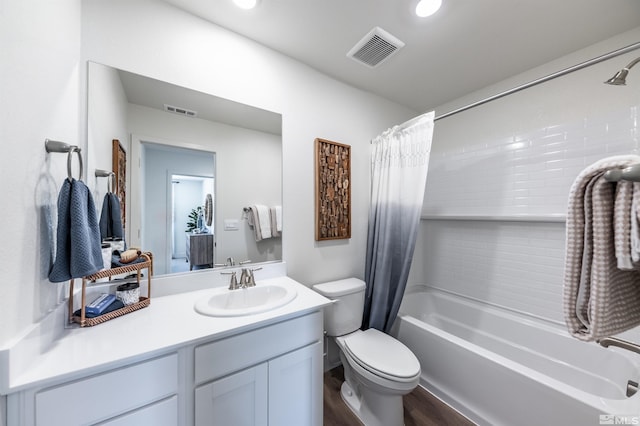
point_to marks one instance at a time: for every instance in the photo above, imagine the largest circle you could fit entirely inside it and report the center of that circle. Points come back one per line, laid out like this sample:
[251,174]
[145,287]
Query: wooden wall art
[119,161]
[333,190]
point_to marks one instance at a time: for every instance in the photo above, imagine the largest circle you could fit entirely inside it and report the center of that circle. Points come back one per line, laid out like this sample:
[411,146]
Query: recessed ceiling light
[427,7]
[246,4]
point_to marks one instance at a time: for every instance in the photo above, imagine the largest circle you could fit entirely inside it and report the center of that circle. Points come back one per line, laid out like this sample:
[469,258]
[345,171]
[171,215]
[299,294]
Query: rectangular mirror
[187,152]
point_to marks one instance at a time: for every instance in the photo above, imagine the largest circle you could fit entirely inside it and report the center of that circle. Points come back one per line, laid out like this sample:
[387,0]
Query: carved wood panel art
[333,190]
[119,162]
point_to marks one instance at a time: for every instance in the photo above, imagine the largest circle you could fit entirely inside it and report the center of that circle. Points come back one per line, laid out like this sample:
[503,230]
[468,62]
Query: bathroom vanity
[199,249]
[169,365]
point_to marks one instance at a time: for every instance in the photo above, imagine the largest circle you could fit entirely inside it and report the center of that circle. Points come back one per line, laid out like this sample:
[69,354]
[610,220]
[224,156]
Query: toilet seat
[382,355]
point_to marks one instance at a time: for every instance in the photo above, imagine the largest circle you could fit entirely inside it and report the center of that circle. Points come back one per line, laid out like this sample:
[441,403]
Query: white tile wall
[518,265]
[525,173]
[512,264]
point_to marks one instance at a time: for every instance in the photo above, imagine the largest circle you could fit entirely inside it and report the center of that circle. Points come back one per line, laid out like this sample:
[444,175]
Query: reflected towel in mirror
[259,219]
[111,217]
[276,221]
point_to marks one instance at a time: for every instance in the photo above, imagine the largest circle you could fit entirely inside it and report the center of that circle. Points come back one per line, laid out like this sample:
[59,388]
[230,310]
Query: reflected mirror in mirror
[191,156]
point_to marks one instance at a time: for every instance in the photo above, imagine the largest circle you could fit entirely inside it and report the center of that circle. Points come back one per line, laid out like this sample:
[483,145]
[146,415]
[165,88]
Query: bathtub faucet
[632,386]
[612,341]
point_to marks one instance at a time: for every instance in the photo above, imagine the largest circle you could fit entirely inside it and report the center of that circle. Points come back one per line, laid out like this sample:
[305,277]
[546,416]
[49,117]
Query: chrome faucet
[232,262]
[246,278]
[229,262]
[612,341]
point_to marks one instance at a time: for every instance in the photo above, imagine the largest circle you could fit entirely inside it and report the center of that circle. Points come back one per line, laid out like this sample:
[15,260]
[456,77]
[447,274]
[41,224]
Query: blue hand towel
[78,250]
[110,217]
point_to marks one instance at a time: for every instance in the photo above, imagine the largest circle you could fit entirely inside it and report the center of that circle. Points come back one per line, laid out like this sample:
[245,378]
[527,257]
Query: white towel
[600,299]
[276,221]
[259,219]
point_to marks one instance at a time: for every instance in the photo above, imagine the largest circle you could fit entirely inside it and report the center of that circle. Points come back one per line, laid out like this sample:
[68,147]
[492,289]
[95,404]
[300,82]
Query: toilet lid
[382,354]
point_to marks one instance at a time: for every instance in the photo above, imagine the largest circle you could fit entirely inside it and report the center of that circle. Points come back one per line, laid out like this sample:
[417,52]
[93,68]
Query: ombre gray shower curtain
[399,163]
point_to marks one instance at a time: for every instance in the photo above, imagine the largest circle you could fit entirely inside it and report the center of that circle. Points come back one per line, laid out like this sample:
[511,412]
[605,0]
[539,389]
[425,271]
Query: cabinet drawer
[225,356]
[107,395]
[162,413]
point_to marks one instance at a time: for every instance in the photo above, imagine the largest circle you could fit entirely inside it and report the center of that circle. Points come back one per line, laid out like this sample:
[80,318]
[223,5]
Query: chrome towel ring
[111,179]
[69,171]
[57,146]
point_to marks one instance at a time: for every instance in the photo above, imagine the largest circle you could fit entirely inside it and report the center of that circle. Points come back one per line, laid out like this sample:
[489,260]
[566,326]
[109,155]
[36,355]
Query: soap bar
[98,306]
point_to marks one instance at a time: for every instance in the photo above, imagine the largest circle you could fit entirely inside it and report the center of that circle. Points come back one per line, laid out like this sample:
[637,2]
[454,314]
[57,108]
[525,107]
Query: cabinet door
[201,249]
[239,399]
[295,388]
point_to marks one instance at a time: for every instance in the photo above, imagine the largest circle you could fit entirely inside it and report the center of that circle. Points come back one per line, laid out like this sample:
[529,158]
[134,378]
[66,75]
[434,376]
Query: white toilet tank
[345,314]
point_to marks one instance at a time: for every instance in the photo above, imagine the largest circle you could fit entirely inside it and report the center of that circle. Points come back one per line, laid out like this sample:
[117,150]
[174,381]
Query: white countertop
[170,321]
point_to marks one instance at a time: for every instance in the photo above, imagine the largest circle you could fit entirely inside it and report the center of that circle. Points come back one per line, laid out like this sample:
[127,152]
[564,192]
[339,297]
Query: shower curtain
[399,162]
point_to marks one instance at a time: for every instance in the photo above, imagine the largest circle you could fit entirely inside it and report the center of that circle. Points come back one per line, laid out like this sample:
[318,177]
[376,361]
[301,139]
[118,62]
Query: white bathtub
[501,368]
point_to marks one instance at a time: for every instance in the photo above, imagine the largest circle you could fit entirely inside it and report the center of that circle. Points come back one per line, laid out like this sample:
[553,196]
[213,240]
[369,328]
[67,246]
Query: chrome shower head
[620,78]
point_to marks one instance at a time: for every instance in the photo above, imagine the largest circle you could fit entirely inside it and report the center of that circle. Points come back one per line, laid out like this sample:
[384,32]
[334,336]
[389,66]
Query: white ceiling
[467,45]
[156,94]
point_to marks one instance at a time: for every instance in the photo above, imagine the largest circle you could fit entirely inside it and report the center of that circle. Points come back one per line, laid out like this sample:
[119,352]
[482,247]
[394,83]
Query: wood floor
[420,407]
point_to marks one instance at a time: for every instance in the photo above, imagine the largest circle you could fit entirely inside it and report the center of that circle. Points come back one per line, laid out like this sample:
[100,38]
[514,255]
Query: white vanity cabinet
[142,393]
[177,368]
[269,376]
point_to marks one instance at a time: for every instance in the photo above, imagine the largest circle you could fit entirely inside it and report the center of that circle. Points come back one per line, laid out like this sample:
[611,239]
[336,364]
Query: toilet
[378,369]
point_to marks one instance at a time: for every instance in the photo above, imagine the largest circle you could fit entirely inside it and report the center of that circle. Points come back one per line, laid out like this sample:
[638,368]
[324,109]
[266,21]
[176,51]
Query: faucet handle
[244,277]
[233,281]
[242,262]
[250,279]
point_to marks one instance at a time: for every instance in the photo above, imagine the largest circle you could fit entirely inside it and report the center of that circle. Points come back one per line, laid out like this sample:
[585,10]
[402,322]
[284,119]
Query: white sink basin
[245,301]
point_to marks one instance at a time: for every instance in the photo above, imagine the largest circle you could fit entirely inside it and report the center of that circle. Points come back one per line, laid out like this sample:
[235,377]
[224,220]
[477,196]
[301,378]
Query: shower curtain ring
[69,155]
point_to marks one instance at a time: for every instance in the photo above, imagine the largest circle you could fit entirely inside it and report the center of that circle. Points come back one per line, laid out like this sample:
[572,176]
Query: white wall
[154,39]
[519,156]
[39,82]
[40,72]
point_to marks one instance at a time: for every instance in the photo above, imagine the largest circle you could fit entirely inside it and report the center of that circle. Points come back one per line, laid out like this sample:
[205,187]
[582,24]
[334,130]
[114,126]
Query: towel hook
[69,155]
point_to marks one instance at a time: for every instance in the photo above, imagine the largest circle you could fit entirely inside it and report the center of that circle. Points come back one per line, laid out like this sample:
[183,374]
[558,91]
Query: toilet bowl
[378,369]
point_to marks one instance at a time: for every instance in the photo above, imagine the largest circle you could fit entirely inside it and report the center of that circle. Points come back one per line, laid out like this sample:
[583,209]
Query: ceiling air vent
[181,111]
[374,48]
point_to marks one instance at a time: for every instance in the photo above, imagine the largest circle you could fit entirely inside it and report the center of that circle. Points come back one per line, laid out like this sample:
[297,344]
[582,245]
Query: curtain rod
[557,74]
